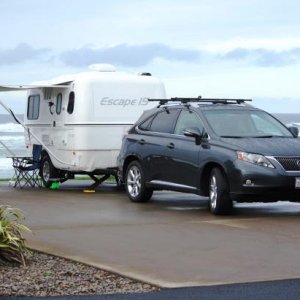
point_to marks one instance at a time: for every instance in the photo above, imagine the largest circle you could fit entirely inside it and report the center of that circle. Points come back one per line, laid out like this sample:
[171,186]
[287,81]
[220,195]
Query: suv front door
[182,159]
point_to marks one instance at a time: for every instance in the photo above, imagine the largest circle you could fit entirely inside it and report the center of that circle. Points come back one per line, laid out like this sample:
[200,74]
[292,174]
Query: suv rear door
[154,135]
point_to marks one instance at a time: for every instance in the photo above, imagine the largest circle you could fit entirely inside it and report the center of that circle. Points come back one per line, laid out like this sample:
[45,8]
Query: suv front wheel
[219,199]
[135,183]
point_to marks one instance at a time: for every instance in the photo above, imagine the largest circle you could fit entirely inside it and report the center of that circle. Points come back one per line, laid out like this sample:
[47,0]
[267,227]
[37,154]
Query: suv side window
[165,121]
[187,119]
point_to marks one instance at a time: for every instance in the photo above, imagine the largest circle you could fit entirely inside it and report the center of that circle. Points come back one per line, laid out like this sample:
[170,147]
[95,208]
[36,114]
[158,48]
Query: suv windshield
[245,123]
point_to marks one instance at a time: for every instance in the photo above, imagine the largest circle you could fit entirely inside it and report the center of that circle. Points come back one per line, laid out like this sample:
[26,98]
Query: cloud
[21,53]
[128,55]
[140,55]
[264,57]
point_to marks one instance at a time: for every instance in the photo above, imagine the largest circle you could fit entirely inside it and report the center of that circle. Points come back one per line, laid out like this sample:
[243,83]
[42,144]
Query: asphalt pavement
[172,241]
[273,290]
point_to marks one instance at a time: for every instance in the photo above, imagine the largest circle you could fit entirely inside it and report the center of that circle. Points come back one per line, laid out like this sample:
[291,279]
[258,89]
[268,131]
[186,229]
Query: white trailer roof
[97,72]
[11,88]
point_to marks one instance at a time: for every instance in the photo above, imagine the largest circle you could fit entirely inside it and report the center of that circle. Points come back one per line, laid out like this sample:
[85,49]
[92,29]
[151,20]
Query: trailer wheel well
[56,172]
[44,154]
[204,180]
[127,161]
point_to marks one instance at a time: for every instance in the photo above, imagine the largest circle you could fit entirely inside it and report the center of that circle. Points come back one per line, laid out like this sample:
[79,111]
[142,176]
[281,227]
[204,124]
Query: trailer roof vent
[145,74]
[102,68]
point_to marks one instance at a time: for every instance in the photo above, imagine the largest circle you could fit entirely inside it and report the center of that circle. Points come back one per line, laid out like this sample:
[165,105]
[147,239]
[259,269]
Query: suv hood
[275,146]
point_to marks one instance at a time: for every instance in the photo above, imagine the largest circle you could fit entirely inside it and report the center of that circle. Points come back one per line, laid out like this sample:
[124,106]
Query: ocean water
[12,135]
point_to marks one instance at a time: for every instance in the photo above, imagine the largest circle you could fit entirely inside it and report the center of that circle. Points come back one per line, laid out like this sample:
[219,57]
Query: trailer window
[71,102]
[58,103]
[33,108]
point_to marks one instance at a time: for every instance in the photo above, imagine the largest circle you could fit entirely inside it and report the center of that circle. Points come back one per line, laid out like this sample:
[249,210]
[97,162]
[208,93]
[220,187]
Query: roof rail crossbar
[199,100]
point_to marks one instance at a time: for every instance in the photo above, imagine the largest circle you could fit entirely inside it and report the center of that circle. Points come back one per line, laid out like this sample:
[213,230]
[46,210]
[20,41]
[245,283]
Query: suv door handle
[171,146]
[141,142]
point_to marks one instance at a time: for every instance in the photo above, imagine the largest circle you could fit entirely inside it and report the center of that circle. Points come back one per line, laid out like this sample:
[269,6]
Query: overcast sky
[213,48]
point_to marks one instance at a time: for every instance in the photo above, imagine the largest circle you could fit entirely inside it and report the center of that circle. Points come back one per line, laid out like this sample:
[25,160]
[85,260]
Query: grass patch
[5,179]
[12,241]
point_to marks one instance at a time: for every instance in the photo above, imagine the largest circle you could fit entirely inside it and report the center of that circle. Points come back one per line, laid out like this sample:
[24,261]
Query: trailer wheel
[135,183]
[47,171]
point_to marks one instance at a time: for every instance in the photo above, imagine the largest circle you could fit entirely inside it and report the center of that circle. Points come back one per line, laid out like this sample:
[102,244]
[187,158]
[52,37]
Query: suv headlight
[253,158]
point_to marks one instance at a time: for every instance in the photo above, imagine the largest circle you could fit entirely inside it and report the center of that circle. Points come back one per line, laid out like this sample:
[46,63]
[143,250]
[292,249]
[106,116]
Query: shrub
[12,241]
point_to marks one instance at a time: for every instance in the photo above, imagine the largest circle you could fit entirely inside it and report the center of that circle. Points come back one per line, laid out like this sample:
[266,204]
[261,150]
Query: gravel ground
[47,275]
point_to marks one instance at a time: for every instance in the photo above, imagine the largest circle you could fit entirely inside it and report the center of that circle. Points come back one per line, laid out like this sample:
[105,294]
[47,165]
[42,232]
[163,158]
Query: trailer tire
[47,171]
[135,183]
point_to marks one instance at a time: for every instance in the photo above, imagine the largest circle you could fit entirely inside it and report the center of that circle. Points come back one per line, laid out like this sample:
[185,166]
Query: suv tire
[135,183]
[219,199]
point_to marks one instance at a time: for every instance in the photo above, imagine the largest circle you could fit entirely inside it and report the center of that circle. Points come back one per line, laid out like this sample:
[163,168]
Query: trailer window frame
[71,102]
[33,107]
[58,103]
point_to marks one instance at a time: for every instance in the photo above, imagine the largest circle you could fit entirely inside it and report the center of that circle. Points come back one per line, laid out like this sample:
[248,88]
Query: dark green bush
[12,241]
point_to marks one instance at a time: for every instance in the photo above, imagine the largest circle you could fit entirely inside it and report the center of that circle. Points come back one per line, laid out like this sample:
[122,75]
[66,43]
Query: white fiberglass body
[82,118]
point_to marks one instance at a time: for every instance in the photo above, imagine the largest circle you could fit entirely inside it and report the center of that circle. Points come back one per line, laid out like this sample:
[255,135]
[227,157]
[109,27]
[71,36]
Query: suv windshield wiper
[251,137]
[231,136]
[268,136]
[263,136]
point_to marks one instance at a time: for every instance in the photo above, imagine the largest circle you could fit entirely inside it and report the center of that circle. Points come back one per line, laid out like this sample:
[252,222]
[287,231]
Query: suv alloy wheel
[219,200]
[135,183]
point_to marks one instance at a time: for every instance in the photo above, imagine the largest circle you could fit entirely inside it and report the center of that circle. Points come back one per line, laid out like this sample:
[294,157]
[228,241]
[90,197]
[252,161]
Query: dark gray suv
[225,149]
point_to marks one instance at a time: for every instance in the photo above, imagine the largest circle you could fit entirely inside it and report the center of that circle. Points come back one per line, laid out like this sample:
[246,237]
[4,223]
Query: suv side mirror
[294,130]
[195,133]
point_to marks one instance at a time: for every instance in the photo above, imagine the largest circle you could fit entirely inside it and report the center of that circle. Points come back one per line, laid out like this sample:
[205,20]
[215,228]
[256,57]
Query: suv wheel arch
[127,161]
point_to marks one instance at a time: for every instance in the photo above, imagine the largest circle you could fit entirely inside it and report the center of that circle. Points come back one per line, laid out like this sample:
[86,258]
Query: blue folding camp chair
[27,169]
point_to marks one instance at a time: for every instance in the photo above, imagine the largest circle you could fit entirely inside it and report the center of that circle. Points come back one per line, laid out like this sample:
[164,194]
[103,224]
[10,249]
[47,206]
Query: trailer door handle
[171,146]
[142,142]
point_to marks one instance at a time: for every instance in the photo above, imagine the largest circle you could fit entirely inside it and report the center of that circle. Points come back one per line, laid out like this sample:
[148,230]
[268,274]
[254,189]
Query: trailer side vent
[47,93]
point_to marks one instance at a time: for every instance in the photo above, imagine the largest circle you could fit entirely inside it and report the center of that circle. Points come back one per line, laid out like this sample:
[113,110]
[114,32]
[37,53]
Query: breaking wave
[11,127]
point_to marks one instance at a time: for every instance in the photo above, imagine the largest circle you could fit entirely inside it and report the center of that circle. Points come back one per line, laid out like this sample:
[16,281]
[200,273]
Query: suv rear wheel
[135,183]
[219,199]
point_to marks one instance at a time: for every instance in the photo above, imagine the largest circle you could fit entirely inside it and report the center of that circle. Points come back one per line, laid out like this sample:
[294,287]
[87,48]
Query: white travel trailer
[80,119]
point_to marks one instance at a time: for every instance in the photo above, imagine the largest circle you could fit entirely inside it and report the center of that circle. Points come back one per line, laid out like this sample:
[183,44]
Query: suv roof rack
[199,100]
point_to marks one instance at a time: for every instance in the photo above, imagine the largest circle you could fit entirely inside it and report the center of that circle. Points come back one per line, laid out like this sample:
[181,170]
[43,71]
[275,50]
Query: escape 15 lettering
[123,102]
